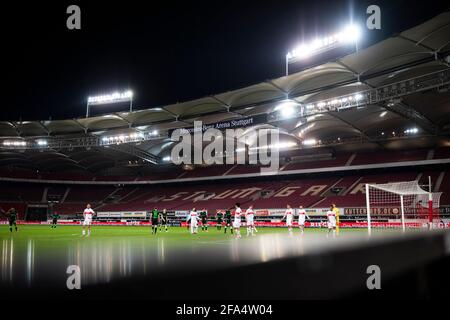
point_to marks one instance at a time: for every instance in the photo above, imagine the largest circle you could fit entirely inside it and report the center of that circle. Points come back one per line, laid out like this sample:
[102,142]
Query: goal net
[402,205]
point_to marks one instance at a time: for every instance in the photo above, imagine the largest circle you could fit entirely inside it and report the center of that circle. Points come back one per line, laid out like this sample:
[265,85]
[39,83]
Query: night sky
[168,52]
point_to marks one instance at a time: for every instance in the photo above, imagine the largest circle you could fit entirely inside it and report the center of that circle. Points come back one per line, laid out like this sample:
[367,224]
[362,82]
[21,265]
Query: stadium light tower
[349,35]
[115,97]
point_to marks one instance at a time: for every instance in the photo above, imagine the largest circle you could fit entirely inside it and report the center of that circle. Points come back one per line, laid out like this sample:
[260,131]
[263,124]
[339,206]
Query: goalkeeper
[337,213]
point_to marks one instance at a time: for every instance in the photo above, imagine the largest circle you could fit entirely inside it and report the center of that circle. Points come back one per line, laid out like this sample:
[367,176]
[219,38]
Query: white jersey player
[289,215]
[237,220]
[249,219]
[193,217]
[331,215]
[87,221]
[301,218]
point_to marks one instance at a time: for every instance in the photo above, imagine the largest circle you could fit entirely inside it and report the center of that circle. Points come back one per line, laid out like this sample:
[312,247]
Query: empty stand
[344,189]
[389,156]
[337,161]
[207,171]
[442,153]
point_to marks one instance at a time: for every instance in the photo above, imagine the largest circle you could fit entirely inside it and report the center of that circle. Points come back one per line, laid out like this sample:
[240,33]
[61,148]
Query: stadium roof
[421,50]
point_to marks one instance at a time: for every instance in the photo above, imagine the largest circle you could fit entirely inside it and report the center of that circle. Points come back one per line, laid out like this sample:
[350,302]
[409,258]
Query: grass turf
[66,235]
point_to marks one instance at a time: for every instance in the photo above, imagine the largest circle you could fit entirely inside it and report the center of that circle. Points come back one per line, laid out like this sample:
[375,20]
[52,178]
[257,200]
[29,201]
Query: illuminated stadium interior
[377,116]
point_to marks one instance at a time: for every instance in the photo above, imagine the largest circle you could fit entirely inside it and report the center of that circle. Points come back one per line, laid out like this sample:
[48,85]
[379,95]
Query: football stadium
[339,166]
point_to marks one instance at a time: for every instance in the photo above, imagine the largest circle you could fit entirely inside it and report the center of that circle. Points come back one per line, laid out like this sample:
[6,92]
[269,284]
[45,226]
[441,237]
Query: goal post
[402,205]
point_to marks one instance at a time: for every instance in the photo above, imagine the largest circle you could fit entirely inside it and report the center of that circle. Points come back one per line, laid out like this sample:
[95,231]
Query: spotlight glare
[310,142]
[350,34]
[358,96]
[111,98]
[42,143]
[286,108]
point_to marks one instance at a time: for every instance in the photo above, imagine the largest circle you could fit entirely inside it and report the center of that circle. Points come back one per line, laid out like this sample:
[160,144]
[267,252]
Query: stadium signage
[181,213]
[261,213]
[309,211]
[258,212]
[363,211]
[280,212]
[320,211]
[141,214]
[444,210]
[230,124]
[135,214]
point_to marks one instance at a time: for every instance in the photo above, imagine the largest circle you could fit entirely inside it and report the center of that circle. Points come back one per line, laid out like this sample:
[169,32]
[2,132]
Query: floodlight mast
[116,97]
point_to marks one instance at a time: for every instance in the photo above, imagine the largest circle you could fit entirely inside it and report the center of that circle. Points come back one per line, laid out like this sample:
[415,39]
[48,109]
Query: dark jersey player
[163,220]
[204,217]
[12,219]
[55,218]
[228,221]
[219,218]
[154,216]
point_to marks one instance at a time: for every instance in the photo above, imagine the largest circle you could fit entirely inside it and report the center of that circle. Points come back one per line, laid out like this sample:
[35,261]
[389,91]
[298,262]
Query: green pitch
[37,253]
[66,235]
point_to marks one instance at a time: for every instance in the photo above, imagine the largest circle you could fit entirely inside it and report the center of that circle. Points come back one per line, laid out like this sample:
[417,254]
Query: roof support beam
[432,51]
[407,112]
[419,44]
[356,74]
[85,129]
[122,118]
[16,128]
[44,127]
[433,32]
[278,88]
[134,151]
[226,106]
[176,116]
[362,133]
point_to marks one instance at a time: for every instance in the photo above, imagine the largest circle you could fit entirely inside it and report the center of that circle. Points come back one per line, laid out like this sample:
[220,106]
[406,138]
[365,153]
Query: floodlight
[42,143]
[411,130]
[115,97]
[358,96]
[286,108]
[351,34]
[310,142]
